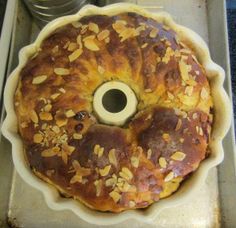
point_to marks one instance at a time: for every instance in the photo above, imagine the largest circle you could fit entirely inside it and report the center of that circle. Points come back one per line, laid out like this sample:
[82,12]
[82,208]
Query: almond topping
[178,156]
[104,172]
[75,55]
[169,176]
[126,173]
[56,129]
[90,44]
[115,196]
[153,33]
[62,90]
[134,161]
[34,116]
[50,152]
[61,122]
[45,116]
[61,71]
[101,70]
[162,162]
[170,95]
[38,138]
[39,79]
[76,24]
[77,136]
[112,157]
[189,90]
[166,137]
[79,41]
[72,46]
[103,35]
[178,125]
[132,204]
[70,113]
[55,95]
[204,93]
[98,185]
[107,40]
[93,27]
[195,116]
[47,108]
[147,90]
[144,45]
[149,154]
[111,182]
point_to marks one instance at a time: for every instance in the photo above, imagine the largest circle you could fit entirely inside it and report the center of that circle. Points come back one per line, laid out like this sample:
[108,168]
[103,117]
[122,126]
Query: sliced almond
[105,171]
[61,71]
[100,152]
[55,95]
[72,46]
[204,94]
[178,125]
[61,122]
[183,71]
[50,152]
[115,196]
[98,185]
[45,116]
[55,49]
[93,27]
[195,116]
[79,41]
[178,156]
[75,55]
[96,149]
[56,129]
[107,40]
[111,182]
[132,204]
[84,29]
[162,162]
[119,26]
[34,116]
[189,90]
[39,79]
[47,108]
[76,178]
[170,95]
[134,161]
[77,136]
[70,113]
[103,35]
[144,45]
[101,70]
[181,140]
[76,24]
[89,43]
[126,173]
[169,176]
[38,138]
[153,33]
[148,90]
[166,137]
[112,157]
[149,154]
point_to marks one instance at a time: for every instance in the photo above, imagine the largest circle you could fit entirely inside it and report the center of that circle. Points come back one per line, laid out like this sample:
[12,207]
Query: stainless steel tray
[214,205]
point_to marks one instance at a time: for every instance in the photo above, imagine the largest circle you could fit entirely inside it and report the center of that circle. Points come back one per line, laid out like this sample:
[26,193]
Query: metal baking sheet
[213,205]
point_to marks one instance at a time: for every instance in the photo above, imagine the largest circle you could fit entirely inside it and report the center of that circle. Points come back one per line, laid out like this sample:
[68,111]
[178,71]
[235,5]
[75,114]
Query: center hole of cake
[114,100]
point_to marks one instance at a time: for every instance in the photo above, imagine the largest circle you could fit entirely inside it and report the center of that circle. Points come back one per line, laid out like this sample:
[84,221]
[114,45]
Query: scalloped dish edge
[222,121]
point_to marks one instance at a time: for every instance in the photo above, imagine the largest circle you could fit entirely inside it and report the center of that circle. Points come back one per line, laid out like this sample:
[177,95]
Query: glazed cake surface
[111,168]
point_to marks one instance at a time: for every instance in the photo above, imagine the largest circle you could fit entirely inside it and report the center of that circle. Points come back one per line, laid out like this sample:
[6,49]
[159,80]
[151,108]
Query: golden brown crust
[113,168]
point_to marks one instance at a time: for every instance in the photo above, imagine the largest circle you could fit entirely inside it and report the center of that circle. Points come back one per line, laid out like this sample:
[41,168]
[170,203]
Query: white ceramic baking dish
[222,120]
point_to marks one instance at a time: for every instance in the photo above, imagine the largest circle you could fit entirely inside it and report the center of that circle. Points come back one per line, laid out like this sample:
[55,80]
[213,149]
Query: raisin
[80,115]
[79,127]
